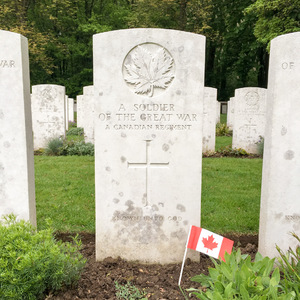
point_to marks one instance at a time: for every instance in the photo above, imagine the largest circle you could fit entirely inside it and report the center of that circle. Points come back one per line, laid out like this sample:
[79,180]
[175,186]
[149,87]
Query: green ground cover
[230,193]
[223,141]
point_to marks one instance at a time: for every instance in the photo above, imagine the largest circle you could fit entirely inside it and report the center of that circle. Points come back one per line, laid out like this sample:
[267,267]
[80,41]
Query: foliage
[289,264]
[72,124]
[274,18]
[229,151]
[128,291]
[260,146]
[75,131]
[57,146]
[240,278]
[223,130]
[33,262]
[53,147]
[77,148]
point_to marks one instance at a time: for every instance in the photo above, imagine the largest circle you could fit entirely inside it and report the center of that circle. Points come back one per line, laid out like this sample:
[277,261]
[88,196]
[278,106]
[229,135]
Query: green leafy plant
[53,146]
[240,278]
[128,291]
[289,264]
[32,262]
[260,145]
[72,124]
[75,131]
[77,148]
[223,130]
[229,151]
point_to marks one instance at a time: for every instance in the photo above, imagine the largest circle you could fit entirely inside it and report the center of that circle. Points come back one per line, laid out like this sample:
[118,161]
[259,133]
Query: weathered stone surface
[230,113]
[71,109]
[148,141]
[89,111]
[249,118]
[17,191]
[280,205]
[209,119]
[48,113]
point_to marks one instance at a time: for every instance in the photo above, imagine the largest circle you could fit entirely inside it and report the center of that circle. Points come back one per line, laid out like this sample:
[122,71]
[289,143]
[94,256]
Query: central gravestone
[149,87]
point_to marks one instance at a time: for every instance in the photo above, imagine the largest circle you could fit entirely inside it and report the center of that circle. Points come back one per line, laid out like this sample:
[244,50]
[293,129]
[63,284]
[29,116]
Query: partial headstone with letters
[48,113]
[280,205]
[209,119]
[17,190]
[249,118]
[149,86]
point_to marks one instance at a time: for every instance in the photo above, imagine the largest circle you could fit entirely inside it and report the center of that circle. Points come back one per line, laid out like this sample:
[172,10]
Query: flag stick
[184,256]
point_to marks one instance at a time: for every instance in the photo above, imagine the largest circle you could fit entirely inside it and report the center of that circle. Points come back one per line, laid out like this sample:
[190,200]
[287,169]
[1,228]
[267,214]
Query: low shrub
[53,146]
[223,130]
[229,151]
[33,263]
[57,146]
[289,264]
[128,292]
[77,148]
[239,278]
[260,146]
[78,131]
[72,124]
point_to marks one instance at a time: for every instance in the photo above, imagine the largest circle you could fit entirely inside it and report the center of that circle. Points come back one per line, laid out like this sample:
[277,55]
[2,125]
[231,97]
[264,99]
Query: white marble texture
[17,189]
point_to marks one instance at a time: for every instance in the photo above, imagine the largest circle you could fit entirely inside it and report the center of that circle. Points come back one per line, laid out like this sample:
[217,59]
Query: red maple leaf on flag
[209,243]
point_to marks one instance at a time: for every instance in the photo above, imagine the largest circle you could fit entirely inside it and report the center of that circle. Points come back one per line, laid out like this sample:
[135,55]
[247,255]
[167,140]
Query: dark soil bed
[158,281]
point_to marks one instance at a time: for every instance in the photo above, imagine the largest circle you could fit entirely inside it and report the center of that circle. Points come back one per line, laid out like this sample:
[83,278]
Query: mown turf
[230,193]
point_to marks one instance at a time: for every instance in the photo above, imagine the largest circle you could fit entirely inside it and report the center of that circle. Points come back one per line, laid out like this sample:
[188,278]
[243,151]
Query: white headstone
[230,112]
[218,110]
[79,110]
[17,190]
[249,118]
[48,113]
[89,111]
[67,112]
[209,119]
[280,205]
[71,109]
[148,86]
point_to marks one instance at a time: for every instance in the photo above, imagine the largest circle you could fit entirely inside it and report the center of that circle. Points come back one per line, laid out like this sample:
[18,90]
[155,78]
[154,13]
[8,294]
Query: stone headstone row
[149,105]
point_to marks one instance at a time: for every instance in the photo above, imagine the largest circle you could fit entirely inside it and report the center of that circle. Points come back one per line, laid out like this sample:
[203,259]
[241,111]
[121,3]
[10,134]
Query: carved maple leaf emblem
[209,243]
[148,70]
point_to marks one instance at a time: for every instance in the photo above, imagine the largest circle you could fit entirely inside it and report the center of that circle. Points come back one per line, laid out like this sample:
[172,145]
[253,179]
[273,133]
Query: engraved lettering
[288,65]
[104,117]
[292,217]
[7,63]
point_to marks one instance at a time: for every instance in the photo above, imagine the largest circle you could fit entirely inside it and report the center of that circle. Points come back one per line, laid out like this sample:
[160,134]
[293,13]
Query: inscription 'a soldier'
[7,63]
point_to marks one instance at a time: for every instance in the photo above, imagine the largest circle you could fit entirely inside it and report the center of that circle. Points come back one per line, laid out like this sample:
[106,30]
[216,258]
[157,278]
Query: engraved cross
[147,165]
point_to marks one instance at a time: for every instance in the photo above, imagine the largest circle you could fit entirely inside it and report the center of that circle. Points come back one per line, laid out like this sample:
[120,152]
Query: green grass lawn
[230,193]
[223,141]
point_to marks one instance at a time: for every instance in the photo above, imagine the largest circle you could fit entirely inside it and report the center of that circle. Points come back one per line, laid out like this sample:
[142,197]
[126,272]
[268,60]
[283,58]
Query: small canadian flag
[209,243]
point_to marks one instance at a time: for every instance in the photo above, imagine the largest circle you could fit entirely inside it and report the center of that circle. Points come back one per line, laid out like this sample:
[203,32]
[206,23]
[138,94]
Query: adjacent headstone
[89,111]
[67,112]
[80,111]
[209,119]
[249,118]
[17,190]
[148,142]
[280,206]
[48,113]
[71,109]
[218,111]
[230,113]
